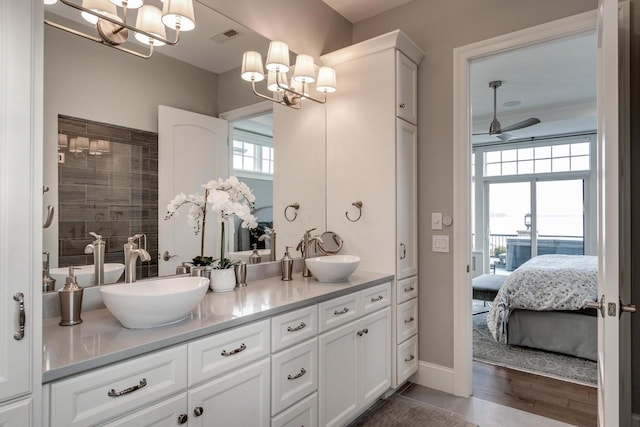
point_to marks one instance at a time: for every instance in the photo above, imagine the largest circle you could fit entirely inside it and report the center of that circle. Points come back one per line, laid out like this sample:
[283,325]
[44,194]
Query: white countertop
[101,339]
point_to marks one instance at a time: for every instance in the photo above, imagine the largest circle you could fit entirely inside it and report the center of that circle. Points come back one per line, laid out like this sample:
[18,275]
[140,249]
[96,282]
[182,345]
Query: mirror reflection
[110,100]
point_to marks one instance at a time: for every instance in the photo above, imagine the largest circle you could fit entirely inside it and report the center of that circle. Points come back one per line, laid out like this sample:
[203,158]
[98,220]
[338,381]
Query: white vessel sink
[84,274]
[333,268]
[154,303]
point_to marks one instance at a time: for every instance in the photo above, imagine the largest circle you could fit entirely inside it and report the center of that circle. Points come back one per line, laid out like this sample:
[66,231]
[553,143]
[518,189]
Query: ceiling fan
[495,128]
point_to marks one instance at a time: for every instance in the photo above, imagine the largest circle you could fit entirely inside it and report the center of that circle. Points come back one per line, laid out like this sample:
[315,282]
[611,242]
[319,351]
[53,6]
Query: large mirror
[117,95]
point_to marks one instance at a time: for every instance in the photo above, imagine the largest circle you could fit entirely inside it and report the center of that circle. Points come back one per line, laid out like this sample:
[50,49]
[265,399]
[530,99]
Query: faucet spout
[131,254]
[306,249]
[97,249]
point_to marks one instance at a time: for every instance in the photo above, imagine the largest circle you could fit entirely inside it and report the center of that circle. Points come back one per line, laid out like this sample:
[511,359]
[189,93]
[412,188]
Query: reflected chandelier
[113,28]
[277,67]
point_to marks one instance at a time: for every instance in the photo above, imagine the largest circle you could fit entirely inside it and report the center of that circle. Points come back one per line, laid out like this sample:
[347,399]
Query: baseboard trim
[434,376]
[635,420]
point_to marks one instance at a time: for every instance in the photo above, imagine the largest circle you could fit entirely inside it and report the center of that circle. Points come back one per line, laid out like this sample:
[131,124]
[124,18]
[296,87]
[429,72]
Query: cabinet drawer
[162,414]
[304,414]
[375,298]
[215,355]
[87,399]
[338,311]
[406,320]
[294,374]
[294,327]
[406,289]
[407,359]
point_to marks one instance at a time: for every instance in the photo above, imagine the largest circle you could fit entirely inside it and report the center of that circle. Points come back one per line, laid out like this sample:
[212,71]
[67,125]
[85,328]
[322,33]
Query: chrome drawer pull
[198,410]
[343,311]
[19,298]
[362,332]
[409,289]
[113,393]
[182,419]
[377,299]
[236,351]
[410,358]
[298,375]
[302,325]
[411,319]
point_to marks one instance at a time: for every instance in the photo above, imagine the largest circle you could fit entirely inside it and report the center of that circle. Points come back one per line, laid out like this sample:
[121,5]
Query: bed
[542,305]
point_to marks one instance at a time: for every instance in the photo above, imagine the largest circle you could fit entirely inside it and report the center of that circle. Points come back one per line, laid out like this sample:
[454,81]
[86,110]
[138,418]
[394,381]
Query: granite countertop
[101,339]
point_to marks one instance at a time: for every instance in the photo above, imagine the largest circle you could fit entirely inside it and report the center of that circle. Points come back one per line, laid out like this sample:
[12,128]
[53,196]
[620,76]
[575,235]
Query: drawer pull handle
[411,319]
[410,358]
[409,289]
[198,410]
[182,419]
[362,332]
[343,311]
[302,325]
[378,298]
[403,250]
[236,351]
[298,375]
[19,298]
[113,393]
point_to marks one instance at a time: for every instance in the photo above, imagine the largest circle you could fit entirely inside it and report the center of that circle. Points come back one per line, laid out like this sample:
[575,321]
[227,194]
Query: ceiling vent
[226,35]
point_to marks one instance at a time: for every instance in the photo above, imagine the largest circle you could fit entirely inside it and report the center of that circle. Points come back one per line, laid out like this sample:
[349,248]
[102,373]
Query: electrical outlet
[440,243]
[60,157]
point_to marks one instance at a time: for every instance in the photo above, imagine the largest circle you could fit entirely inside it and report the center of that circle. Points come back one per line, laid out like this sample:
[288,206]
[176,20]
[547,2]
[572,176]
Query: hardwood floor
[563,401]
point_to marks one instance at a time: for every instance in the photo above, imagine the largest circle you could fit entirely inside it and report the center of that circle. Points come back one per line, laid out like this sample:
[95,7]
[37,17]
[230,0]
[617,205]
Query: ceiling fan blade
[505,137]
[520,125]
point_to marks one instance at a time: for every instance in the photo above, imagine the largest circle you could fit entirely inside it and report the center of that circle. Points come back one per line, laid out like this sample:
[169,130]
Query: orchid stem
[204,222]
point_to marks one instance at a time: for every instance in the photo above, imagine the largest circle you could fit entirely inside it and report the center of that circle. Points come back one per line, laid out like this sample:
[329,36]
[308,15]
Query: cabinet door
[338,374]
[406,200]
[406,89]
[375,355]
[16,414]
[167,413]
[239,399]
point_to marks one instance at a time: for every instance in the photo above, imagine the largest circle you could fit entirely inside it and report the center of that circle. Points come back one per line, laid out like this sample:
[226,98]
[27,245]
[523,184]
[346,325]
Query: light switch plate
[440,243]
[436,221]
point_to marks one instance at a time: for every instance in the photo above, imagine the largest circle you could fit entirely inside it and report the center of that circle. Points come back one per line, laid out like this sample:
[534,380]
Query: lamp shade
[272,84]
[82,143]
[278,57]
[326,80]
[104,146]
[48,2]
[103,7]
[178,13]
[150,20]
[130,4]
[305,69]
[63,140]
[300,88]
[73,146]
[252,67]
[94,148]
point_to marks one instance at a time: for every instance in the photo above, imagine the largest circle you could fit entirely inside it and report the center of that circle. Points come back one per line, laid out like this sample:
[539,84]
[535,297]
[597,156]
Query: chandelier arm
[124,24]
[99,40]
[255,92]
[301,95]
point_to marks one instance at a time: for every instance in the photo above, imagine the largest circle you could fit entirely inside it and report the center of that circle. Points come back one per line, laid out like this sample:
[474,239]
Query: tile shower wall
[114,194]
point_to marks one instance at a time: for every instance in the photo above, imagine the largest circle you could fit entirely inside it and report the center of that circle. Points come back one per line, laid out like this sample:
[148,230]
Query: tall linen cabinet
[371,158]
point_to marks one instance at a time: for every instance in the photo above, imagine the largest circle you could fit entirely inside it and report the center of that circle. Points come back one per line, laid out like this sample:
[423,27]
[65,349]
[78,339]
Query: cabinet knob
[182,419]
[402,106]
[198,410]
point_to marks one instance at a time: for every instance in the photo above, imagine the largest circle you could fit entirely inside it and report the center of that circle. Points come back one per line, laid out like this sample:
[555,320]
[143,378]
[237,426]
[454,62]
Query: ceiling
[358,10]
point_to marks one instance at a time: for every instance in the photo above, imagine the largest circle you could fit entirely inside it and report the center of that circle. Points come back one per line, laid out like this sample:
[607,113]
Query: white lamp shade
[150,20]
[272,84]
[94,148]
[252,66]
[73,146]
[278,57]
[178,13]
[131,4]
[47,2]
[104,146]
[82,143]
[305,69]
[326,80]
[63,140]
[103,7]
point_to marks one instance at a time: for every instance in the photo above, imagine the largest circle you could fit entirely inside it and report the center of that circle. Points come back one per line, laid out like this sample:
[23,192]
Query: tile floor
[481,412]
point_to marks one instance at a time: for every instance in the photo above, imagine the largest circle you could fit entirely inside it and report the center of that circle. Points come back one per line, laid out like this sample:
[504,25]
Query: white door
[20,196]
[192,150]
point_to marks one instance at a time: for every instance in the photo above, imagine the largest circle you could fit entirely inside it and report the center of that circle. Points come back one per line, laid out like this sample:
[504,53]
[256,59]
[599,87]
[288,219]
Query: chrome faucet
[304,246]
[97,249]
[133,251]
[270,234]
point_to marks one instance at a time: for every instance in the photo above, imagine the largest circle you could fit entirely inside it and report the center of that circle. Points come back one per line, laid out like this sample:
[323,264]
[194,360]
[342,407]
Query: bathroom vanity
[273,353]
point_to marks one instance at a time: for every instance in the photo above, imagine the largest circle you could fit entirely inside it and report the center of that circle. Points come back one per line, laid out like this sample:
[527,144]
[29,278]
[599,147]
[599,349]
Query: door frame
[462,57]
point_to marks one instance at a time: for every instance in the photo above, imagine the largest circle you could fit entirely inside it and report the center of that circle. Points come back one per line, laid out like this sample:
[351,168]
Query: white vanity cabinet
[372,121]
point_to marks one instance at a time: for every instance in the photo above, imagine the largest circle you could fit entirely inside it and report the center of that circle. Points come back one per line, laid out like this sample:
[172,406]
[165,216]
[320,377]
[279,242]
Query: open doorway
[532,163]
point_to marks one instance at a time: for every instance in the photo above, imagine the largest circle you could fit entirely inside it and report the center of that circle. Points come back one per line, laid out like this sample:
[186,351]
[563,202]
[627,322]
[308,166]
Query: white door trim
[462,56]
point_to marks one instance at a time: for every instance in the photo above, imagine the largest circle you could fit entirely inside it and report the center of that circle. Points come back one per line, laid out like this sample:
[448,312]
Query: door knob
[627,308]
[167,257]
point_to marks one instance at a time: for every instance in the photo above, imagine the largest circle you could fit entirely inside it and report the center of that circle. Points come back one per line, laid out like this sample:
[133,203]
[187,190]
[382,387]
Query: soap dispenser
[70,300]
[255,257]
[286,265]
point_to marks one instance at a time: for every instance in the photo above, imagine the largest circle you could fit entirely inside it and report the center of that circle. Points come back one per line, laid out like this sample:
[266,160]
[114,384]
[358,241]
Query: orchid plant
[227,198]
